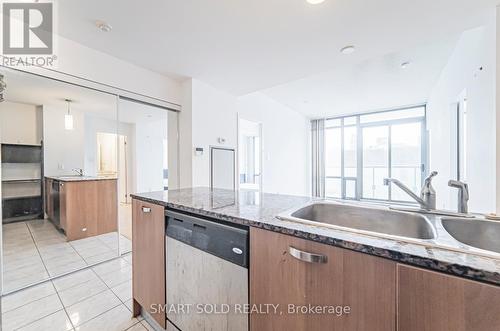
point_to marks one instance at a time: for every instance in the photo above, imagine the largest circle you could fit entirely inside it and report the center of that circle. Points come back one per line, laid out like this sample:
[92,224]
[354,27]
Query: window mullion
[342,171]
[389,162]
[359,158]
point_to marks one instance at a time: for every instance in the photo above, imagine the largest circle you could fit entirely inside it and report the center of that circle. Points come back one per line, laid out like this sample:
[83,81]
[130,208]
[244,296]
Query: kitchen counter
[79,178]
[260,210]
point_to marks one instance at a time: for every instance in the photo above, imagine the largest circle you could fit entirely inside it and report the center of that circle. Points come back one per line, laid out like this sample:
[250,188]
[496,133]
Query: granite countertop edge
[78,179]
[454,269]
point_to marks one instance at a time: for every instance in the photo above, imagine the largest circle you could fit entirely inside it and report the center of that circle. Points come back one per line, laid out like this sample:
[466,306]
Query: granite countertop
[79,178]
[260,210]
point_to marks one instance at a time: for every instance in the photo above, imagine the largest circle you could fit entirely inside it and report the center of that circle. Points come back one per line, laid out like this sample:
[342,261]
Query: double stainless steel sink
[368,219]
[476,233]
[384,222]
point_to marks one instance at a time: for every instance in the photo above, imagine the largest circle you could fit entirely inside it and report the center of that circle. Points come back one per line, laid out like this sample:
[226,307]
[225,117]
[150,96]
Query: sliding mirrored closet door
[147,157]
[59,178]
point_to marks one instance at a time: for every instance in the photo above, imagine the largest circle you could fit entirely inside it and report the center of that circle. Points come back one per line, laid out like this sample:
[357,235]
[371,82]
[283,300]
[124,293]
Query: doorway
[250,155]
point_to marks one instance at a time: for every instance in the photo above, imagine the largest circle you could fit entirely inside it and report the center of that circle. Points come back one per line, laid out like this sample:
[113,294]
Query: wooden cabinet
[87,208]
[431,301]
[148,258]
[365,284]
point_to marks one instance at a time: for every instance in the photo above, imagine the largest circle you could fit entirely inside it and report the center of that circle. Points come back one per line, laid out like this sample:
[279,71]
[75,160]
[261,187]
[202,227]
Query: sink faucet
[79,171]
[463,195]
[427,198]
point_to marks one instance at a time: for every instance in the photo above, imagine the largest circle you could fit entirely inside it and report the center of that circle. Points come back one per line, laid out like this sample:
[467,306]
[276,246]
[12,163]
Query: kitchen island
[386,282]
[82,206]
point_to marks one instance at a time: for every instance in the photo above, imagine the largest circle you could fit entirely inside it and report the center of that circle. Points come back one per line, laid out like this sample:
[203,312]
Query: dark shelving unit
[21,206]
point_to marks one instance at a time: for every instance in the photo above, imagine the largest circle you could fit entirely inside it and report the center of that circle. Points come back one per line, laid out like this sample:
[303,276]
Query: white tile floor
[98,299]
[34,251]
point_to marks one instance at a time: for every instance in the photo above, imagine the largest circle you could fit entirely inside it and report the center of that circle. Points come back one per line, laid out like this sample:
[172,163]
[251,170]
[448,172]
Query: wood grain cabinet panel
[80,199]
[107,209]
[86,208]
[366,284]
[431,301]
[148,258]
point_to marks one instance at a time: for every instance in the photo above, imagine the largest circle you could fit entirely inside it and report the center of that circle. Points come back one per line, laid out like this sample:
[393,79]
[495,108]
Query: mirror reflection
[70,159]
[59,173]
[144,134]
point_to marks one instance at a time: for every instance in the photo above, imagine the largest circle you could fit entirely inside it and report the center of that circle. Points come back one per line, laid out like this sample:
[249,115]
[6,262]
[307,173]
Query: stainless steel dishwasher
[206,274]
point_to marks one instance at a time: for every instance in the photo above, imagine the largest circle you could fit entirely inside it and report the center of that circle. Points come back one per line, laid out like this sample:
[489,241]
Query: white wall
[214,114]
[149,139]
[186,153]
[475,49]
[285,144]
[63,149]
[20,123]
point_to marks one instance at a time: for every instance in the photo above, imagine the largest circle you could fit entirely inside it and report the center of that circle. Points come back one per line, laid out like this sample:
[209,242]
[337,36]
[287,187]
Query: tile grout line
[115,293]
[23,325]
[107,288]
[62,303]
[81,299]
[77,253]
[37,249]
[41,255]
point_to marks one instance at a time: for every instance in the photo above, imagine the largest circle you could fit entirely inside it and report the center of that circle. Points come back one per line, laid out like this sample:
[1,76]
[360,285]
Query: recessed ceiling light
[315,2]
[405,65]
[347,50]
[103,26]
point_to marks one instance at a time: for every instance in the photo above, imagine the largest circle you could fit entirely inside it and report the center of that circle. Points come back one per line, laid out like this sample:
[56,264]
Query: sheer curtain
[318,157]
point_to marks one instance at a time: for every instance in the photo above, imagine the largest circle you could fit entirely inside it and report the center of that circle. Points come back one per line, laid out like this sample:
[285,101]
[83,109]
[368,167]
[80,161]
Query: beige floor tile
[113,265]
[117,277]
[81,292]
[30,312]
[57,321]
[123,291]
[74,279]
[137,327]
[128,258]
[116,319]
[101,258]
[87,309]
[147,326]
[18,299]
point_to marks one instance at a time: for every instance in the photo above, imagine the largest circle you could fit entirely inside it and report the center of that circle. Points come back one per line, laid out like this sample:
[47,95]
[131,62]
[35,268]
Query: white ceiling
[374,84]
[134,112]
[242,46]
[35,90]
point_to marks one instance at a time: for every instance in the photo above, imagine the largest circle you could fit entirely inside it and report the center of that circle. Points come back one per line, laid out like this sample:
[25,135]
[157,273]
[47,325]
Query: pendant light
[68,118]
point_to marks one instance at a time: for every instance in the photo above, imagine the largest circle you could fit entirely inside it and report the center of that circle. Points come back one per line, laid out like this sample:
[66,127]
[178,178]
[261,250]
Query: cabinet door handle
[146,210]
[306,256]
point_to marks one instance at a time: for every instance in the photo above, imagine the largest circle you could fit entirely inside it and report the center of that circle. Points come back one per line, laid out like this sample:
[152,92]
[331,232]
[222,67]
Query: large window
[362,150]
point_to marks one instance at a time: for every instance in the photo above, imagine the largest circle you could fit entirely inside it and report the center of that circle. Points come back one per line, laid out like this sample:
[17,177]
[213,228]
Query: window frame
[359,149]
